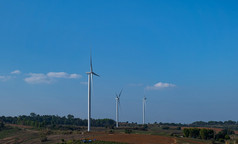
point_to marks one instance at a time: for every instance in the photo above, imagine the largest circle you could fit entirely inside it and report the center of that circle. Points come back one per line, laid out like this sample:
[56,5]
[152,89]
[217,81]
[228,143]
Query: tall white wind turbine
[144,102]
[117,107]
[90,79]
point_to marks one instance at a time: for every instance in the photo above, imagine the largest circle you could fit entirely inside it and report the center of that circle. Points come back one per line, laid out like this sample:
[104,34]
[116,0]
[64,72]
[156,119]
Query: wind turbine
[144,102]
[90,80]
[117,105]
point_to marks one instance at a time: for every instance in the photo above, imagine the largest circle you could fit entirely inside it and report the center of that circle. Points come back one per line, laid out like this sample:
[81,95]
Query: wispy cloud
[16,72]
[8,77]
[5,78]
[160,85]
[36,78]
[73,76]
[63,75]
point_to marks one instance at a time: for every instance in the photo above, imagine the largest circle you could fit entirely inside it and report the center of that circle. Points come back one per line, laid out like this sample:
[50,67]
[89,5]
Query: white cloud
[62,75]
[160,85]
[8,77]
[35,78]
[75,76]
[16,72]
[57,74]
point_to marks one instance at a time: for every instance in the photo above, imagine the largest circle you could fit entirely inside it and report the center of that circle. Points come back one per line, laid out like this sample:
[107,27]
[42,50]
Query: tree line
[214,123]
[39,121]
[207,134]
[203,124]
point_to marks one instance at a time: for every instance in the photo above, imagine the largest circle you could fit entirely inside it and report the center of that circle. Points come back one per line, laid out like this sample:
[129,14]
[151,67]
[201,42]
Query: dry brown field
[30,136]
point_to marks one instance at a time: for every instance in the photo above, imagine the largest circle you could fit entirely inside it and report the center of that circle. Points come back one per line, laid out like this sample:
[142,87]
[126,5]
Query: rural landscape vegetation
[36,128]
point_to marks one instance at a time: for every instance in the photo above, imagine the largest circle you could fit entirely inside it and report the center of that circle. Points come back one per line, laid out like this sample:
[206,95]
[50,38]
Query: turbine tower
[90,80]
[144,102]
[117,110]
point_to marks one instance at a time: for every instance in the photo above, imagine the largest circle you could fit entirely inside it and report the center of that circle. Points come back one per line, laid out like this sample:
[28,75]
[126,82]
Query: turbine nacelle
[118,96]
[92,73]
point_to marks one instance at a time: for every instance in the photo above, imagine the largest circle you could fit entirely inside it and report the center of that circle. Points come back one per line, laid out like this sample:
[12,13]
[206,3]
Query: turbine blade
[91,62]
[120,93]
[95,74]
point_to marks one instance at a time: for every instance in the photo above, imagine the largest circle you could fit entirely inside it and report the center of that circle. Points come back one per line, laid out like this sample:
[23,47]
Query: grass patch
[9,131]
[192,141]
[158,131]
[104,142]
[92,142]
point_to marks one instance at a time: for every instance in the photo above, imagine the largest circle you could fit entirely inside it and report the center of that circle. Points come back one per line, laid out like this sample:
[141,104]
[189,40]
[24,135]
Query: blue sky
[181,54]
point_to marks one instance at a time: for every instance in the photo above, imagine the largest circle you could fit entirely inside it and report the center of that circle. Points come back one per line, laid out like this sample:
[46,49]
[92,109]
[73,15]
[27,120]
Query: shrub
[236,140]
[128,131]
[221,140]
[186,132]
[48,132]
[165,127]
[145,127]
[227,137]
[213,141]
[194,132]
[199,133]
[178,128]
[224,134]
[43,139]
[206,134]
[111,131]
[1,125]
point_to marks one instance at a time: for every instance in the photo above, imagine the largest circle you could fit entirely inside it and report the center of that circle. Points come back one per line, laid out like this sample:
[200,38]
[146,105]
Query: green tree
[211,134]
[32,114]
[70,117]
[186,132]
[128,131]
[194,132]
[224,134]
[227,137]
[204,133]
[1,125]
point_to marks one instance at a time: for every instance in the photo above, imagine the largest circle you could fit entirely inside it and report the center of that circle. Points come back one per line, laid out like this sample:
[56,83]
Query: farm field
[27,135]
